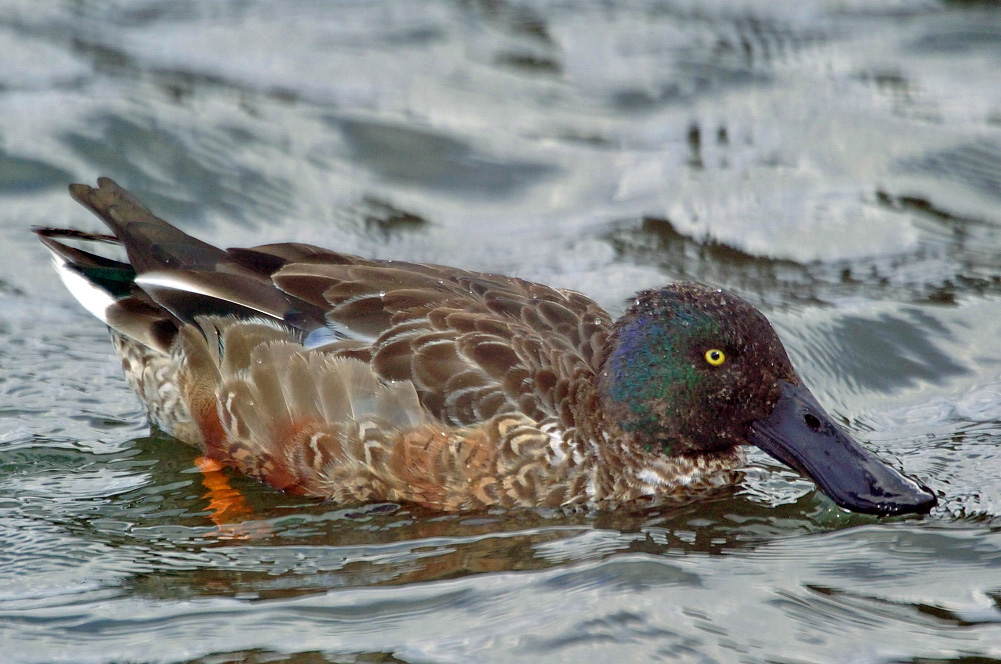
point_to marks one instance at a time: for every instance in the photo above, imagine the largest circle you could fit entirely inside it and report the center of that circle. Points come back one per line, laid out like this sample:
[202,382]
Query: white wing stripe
[166,280]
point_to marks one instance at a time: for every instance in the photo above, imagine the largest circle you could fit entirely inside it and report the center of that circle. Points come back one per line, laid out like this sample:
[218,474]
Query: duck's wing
[474,345]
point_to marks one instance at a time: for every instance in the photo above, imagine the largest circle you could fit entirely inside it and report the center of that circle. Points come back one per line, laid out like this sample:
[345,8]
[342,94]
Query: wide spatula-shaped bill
[800,434]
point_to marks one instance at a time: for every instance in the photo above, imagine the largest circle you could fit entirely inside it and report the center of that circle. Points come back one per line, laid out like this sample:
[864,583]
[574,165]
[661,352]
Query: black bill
[800,434]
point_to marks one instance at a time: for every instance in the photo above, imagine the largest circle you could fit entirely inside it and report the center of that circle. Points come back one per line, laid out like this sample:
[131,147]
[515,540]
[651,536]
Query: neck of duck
[631,467]
[635,421]
[643,385]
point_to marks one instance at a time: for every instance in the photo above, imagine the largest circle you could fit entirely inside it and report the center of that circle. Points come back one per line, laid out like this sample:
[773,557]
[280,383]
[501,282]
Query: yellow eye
[715,357]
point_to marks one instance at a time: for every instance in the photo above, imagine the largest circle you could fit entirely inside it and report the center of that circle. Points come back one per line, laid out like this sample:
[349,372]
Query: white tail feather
[94,299]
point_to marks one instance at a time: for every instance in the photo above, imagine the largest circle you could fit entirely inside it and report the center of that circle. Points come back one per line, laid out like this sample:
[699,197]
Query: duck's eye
[715,357]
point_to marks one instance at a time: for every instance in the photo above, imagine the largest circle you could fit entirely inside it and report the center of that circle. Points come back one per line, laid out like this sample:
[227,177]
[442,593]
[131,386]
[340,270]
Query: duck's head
[691,370]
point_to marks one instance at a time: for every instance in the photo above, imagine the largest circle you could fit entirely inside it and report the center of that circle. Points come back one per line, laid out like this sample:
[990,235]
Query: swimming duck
[353,379]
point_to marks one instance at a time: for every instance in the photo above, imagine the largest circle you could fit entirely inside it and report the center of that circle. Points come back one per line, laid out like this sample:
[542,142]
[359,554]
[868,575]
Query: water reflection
[282,547]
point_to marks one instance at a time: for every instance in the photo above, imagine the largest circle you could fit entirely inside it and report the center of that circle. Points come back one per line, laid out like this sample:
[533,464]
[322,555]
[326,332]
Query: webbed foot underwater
[354,379]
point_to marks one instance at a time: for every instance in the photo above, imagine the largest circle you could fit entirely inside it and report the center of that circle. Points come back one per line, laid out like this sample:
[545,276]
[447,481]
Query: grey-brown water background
[837,163]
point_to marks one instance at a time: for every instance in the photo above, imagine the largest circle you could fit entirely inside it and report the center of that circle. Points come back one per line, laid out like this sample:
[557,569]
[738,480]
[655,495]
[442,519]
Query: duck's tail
[170,277]
[106,288]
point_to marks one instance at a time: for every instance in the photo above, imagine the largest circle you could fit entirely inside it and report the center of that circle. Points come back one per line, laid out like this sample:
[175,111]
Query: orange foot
[227,506]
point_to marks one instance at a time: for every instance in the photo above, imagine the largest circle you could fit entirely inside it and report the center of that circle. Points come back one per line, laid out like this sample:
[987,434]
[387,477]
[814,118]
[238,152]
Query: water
[838,163]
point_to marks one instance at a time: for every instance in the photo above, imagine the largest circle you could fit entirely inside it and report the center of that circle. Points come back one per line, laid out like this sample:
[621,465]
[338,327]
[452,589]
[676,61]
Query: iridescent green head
[692,371]
[689,368]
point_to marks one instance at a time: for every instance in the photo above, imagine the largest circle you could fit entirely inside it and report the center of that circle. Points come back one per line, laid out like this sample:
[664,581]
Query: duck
[360,380]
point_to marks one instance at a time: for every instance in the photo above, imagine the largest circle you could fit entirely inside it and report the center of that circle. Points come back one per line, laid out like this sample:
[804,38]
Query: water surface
[836,163]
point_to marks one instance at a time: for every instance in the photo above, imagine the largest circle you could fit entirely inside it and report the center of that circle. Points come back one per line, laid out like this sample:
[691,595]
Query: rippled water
[838,163]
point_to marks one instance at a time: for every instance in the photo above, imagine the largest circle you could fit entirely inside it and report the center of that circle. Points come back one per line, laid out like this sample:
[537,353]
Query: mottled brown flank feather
[317,424]
[449,388]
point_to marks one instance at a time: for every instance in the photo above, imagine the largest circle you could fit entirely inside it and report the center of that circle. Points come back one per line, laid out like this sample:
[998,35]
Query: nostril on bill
[813,422]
